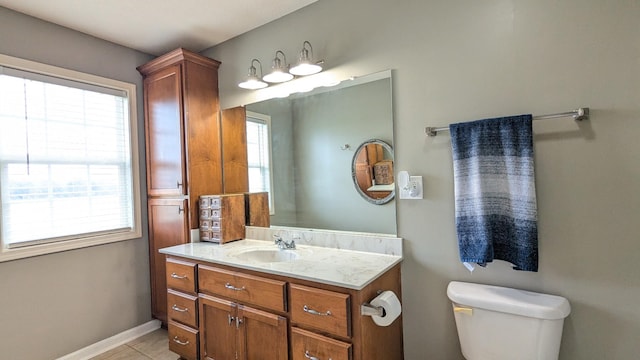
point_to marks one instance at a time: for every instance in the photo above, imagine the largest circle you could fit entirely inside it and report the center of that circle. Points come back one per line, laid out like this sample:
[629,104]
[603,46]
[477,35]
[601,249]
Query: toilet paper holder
[367,309]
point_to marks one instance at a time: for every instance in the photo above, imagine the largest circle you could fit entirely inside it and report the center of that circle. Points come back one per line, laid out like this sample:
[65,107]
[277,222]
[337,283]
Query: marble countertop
[346,268]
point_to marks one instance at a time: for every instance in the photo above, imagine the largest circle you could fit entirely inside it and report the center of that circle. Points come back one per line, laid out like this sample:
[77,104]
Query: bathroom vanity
[251,300]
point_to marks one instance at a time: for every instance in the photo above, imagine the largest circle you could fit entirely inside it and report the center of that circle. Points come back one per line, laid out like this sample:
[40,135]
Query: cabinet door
[218,340]
[164,132]
[263,336]
[201,133]
[167,227]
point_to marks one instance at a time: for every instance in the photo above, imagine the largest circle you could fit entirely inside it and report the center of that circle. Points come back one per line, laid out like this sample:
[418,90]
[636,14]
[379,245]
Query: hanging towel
[495,195]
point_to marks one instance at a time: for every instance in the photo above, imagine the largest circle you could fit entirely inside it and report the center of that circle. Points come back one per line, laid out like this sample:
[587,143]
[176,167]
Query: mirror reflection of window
[259,155]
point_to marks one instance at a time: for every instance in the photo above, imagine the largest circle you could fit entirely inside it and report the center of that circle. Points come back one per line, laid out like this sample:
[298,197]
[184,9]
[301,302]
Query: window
[259,154]
[68,160]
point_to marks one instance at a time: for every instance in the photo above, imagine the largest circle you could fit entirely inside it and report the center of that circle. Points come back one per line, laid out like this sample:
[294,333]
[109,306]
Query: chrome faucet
[283,244]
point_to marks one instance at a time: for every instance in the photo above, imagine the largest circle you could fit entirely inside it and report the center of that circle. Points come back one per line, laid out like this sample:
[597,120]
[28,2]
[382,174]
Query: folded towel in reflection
[495,196]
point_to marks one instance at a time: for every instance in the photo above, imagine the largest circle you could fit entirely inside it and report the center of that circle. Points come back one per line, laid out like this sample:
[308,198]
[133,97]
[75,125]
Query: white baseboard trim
[112,342]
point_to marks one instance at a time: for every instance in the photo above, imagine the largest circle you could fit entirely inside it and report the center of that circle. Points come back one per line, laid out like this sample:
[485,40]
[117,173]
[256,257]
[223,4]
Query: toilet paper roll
[391,305]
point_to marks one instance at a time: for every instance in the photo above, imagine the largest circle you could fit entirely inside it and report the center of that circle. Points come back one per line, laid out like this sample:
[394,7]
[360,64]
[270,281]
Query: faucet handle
[277,238]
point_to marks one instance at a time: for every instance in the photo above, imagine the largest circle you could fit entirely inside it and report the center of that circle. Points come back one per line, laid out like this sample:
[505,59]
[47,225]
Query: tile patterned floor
[154,345]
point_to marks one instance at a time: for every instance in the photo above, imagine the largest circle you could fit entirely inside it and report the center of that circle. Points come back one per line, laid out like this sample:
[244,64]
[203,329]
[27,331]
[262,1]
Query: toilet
[498,323]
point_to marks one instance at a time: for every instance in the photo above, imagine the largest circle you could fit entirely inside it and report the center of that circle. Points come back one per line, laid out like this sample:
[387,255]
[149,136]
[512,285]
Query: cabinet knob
[180,209]
[178,184]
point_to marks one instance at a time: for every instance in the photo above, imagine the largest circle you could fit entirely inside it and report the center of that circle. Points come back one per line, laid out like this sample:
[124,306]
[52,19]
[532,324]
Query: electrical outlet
[413,190]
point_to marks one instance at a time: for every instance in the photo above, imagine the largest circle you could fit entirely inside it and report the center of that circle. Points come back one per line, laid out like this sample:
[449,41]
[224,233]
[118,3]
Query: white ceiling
[158,26]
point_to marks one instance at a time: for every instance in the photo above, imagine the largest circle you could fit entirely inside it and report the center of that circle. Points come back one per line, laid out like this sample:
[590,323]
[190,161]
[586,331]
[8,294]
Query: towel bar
[578,115]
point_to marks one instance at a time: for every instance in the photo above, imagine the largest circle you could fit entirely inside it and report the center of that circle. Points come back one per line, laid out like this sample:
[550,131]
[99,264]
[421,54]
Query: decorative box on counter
[222,217]
[383,172]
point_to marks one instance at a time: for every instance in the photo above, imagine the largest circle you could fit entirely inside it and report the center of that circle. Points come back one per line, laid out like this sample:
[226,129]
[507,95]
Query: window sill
[50,248]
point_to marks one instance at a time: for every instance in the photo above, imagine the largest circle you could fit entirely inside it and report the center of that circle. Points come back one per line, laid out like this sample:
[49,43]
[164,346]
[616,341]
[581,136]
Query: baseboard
[112,342]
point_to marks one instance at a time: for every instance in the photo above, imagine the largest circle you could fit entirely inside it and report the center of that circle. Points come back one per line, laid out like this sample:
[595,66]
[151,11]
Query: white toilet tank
[498,323]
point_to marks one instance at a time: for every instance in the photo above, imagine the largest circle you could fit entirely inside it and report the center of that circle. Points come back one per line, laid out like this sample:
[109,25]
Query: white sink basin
[266,255]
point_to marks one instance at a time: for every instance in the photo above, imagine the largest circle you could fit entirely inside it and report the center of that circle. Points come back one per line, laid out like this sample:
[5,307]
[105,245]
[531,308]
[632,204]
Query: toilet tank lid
[507,300]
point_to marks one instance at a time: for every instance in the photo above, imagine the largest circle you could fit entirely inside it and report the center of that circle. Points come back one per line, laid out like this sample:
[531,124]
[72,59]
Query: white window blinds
[259,154]
[65,159]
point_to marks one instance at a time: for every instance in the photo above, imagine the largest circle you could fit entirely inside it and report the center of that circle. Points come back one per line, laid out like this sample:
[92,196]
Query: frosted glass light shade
[277,76]
[253,82]
[279,71]
[306,65]
[304,69]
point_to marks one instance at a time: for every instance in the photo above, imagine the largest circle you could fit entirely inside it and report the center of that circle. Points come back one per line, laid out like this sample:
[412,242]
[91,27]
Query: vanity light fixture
[253,82]
[305,65]
[279,71]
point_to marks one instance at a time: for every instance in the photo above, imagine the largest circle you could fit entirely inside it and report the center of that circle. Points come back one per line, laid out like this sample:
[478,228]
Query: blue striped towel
[495,195]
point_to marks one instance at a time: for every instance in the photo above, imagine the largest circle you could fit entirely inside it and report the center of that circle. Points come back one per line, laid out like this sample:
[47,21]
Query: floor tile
[154,345]
[107,354]
[152,337]
[128,354]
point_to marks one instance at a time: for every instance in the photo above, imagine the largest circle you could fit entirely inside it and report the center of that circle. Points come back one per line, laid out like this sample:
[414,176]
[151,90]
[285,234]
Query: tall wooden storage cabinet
[184,157]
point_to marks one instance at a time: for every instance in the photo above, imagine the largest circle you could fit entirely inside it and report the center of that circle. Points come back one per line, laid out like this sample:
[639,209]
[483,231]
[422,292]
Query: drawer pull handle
[177,341]
[314,312]
[176,276]
[177,308]
[308,356]
[231,287]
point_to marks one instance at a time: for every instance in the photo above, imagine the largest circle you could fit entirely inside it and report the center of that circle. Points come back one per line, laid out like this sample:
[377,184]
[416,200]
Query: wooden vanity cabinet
[252,315]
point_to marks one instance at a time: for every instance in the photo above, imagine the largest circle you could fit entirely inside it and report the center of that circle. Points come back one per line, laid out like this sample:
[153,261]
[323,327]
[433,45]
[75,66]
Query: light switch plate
[414,190]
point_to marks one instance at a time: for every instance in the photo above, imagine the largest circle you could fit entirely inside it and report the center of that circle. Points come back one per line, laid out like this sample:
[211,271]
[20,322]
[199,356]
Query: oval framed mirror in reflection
[372,171]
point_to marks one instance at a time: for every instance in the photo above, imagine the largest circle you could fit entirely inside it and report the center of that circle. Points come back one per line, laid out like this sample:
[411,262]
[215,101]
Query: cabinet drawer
[183,340]
[307,345]
[321,309]
[182,308]
[205,214]
[210,225]
[181,275]
[216,214]
[247,289]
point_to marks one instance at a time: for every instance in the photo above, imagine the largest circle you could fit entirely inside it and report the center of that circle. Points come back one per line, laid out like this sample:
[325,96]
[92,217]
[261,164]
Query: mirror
[314,137]
[372,171]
